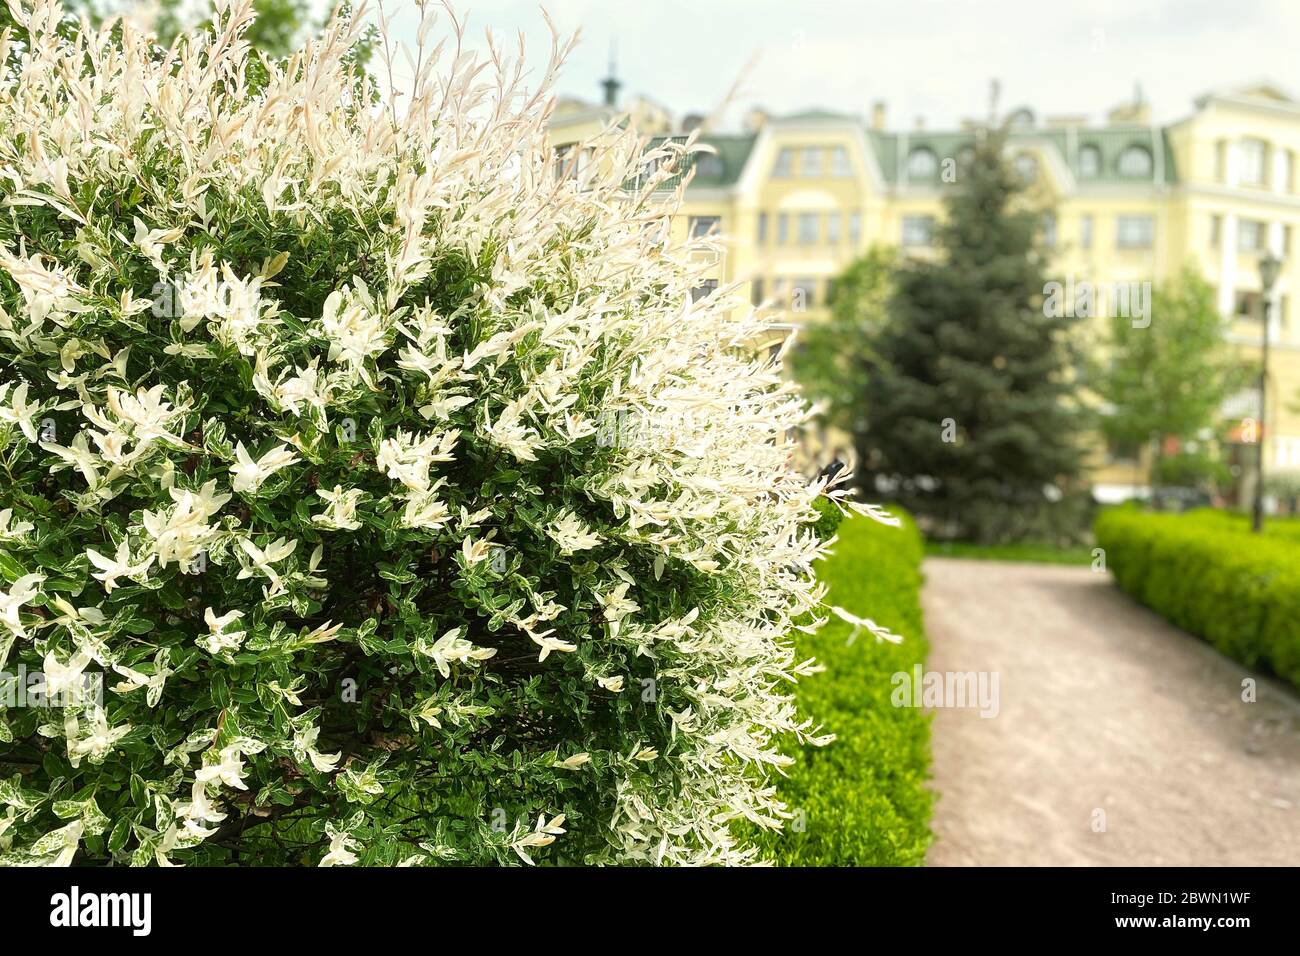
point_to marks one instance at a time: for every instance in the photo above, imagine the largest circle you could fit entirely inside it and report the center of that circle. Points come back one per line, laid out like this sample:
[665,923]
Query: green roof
[1110,142]
[712,171]
[819,115]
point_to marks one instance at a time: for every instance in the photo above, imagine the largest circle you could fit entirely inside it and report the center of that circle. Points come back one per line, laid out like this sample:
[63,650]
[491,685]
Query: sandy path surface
[1103,707]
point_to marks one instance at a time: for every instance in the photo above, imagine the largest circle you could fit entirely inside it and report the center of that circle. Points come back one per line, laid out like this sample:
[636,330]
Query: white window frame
[808,229]
[1125,240]
[712,226]
[812,162]
[1252,162]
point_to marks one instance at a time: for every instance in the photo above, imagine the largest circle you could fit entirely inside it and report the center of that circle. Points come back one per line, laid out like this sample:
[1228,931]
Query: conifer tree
[973,420]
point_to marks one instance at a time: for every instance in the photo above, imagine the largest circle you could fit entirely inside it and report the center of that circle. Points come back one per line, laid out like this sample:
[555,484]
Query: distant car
[1175,498]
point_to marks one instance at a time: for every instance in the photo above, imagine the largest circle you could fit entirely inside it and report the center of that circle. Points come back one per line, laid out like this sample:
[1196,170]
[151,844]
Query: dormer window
[1135,162]
[708,166]
[922,163]
[1089,162]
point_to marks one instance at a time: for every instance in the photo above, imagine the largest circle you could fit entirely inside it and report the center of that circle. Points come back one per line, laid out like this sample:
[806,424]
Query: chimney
[878,115]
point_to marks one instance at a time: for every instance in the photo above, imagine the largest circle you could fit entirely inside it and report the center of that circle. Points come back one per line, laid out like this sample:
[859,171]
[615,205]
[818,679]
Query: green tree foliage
[970,397]
[280,24]
[832,357]
[1168,378]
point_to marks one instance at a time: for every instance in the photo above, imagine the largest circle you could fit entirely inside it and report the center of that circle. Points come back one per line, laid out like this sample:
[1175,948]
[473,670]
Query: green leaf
[10,567]
[139,791]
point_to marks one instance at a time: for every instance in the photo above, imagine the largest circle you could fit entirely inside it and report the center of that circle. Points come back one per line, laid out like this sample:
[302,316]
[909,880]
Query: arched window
[708,166]
[1022,118]
[1135,162]
[1089,162]
[922,163]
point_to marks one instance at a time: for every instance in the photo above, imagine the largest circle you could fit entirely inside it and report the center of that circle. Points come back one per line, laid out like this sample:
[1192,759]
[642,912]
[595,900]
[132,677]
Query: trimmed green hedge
[862,800]
[1288,528]
[1207,574]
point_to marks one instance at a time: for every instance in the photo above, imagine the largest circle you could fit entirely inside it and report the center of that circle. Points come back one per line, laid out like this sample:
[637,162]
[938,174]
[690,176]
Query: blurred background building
[798,197]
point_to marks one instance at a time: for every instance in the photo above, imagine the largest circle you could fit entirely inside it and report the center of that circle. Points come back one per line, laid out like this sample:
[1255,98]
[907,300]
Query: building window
[1089,162]
[1121,452]
[922,163]
[709,166]
[1216,230]
[803,293]
[1135,162]
[1286,241]
[810,162]
[918,230]
[1254,159]
[705,288]
[1135,232]
[782,228]
[784,164]
[1026,167]
[831,289]
[1245,306]
[650,167]
[570,161]
[1221,161]
[656,231]
[702,226]
[1049,230]
[1288,171]
[762,228]
[840,167]
[756,292]
[833,229]
[1085,232]
[808,228]
[1251,235]
[855,228]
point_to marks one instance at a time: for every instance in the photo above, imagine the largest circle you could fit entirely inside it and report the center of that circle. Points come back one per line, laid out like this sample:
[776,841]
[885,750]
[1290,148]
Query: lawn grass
[862,800]
[1041,553]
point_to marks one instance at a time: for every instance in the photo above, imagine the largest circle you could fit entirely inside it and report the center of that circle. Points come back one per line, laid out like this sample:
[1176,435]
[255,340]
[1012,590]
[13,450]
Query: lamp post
[1269,266]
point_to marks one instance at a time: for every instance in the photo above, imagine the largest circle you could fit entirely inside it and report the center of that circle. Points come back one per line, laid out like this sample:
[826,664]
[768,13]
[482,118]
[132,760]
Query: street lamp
[1269,267]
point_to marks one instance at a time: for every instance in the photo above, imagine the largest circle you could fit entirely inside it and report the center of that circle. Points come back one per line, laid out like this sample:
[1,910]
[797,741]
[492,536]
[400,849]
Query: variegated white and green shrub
[410,507]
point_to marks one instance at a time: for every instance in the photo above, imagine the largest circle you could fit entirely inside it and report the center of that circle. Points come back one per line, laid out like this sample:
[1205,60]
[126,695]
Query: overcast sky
[923,58]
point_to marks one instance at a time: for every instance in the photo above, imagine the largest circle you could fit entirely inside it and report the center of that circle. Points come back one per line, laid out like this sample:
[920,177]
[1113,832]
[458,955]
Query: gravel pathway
[1119,740]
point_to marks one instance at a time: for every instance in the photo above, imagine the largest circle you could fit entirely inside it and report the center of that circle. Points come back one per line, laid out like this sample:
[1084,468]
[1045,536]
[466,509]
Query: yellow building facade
[797,198]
